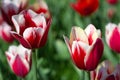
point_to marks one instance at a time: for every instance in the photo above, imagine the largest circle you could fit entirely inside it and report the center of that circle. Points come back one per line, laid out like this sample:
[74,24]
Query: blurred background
[54,61]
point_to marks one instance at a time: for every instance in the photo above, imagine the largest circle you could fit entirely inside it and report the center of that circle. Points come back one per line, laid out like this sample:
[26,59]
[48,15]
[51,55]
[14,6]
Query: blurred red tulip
[19,59]
[106,71]
[112,2]
[11,7]
[85,7]
[32,29]
[85,47]
[112,35]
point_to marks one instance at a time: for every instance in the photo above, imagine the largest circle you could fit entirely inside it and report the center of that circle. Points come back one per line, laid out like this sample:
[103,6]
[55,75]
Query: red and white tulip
[40,6]
[106,71]
[19,59]
[32,29]
[112,35]
[5,31]
[12,7]
[85,47]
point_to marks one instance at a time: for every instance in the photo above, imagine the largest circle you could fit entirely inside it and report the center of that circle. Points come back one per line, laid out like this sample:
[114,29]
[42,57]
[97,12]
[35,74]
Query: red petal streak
[21,40]
[28,20]
[115,40]
[94,56]
[19,67]
[78,56]
[30,36]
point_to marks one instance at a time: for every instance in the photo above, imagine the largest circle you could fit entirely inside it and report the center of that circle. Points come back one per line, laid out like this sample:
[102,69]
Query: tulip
[40,6]
[112,2]
[85,47]
[19,59]
[5,31]
[32,29]
[12,7]
[106,71]
[85,7]
[112,34]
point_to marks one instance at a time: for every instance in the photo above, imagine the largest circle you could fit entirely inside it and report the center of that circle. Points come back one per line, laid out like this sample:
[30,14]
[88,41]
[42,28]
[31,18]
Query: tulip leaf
[61,49]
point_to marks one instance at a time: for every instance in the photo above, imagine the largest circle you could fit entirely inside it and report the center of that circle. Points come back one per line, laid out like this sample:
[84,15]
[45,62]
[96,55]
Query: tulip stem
[22,78]
[87,75]
[82,74]
[35,64]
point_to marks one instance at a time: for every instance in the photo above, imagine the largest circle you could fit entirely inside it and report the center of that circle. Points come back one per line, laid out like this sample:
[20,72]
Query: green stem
[19,78]
[35,64]
[119,58]
[87,75]
[82,74]
[22,78]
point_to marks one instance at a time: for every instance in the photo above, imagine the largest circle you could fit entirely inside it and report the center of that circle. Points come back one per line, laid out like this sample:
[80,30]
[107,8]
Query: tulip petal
[44,38]
[114,40]
[20,67]
[108,32]
[92,33]
[33,36]
[78,55]
[39,36]
[29,35]
[21,39]
[94,55]
[40,21]
[78,33]
[68,44]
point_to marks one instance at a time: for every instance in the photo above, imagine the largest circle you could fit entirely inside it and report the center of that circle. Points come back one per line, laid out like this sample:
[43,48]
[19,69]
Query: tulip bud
[32,29]
[85,7]
[106,71]
[19,59]
[112,35]
[85,47]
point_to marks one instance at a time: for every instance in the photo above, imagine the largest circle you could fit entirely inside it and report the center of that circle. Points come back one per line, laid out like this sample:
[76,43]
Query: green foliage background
[54,61]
